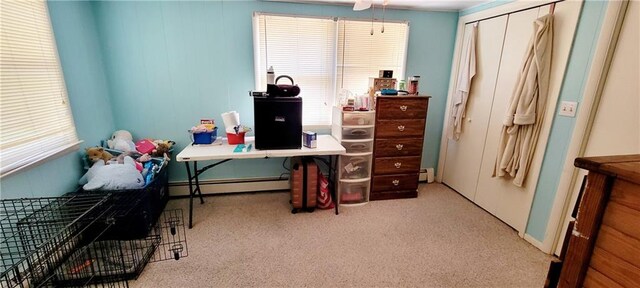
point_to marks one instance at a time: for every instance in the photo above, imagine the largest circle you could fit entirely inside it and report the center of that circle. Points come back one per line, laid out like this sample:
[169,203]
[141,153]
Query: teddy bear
[162,148]
[121,140]
[95,154]
[113,176]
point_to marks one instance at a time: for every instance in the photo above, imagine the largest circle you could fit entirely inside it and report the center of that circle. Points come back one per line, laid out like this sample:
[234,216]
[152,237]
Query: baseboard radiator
[244,185]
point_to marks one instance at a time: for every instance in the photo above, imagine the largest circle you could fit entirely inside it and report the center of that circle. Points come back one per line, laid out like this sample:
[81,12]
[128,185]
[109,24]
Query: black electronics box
[278,122]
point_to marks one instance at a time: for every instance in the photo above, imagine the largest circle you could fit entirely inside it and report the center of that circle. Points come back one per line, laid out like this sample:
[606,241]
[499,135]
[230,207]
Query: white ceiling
[437,5]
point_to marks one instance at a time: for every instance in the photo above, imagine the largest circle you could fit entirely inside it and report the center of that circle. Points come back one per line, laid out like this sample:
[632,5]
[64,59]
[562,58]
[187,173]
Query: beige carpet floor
[437,240]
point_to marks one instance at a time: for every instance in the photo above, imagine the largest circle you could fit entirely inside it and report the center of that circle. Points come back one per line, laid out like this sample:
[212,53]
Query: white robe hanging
[466,71]
[523,119]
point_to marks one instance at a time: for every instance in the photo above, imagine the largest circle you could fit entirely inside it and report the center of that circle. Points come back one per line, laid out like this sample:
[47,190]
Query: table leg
[195,168]
[190,195]
[333,182]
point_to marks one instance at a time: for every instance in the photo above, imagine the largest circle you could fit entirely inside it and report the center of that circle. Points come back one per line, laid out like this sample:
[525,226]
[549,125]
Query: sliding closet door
[499,196]
[464,156]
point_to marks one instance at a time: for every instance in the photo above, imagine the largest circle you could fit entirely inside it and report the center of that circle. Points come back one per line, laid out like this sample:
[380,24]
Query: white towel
[466,71]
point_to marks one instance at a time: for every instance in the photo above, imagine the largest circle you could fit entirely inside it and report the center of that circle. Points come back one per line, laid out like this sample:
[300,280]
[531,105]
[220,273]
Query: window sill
[40,159]
[320,129]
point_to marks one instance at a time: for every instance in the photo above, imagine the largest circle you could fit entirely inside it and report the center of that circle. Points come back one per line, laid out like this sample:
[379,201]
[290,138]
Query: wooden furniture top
[626,167]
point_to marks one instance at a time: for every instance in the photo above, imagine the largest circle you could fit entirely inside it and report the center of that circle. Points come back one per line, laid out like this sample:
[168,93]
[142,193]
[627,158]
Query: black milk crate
[139,208]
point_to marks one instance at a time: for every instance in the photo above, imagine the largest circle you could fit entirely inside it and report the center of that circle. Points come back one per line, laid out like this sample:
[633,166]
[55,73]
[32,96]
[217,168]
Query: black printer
[277,122]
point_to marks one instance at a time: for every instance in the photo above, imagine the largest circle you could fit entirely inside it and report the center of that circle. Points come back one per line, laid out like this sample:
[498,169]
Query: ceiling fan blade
[362,5]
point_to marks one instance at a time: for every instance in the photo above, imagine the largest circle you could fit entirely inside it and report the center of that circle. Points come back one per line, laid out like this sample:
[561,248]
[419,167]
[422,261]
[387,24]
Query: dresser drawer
[400,128]
[394,108]
[395,182]
[398,147]
[397,165]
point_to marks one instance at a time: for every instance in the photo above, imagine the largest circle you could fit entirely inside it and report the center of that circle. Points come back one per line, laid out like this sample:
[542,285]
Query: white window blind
[36,121]
[303,48]
[361,55]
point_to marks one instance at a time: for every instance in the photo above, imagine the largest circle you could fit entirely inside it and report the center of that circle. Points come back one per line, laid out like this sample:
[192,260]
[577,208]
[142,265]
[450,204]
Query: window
[36,120]
[303,48]
[325,55]
[361,55]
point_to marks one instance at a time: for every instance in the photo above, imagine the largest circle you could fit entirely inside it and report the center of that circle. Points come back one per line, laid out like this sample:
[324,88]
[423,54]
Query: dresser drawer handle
[398,164]
[399,147]
[403,108]
[396,182]
[400,128]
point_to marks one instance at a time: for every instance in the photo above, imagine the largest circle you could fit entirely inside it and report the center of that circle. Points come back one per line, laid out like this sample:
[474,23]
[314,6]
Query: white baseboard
[536,243]
[240,185]
[222,186]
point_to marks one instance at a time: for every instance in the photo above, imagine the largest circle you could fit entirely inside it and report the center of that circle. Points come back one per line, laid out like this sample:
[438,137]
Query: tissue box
[309,139]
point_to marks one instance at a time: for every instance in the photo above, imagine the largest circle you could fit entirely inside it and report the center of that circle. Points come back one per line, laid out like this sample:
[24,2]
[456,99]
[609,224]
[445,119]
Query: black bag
[283,90]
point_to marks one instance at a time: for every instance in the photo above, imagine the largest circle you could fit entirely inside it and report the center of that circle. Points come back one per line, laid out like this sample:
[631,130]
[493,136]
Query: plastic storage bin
[205,137]
[357,133]
[355,167]
[358,118]
[353,192]
[355,146]
[234,139]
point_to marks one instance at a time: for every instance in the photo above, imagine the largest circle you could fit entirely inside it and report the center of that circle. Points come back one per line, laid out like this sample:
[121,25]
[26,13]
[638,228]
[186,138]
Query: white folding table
[326,146]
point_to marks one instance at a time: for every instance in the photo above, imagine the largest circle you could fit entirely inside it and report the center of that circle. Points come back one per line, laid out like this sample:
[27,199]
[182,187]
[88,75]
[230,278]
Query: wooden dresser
[397,152]
[604,244]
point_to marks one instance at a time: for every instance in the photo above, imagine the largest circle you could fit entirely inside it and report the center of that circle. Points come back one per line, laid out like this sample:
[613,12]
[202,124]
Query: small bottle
[413,85]
[271,76]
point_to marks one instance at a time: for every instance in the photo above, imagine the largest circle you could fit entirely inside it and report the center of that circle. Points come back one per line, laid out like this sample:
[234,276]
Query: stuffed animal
[121,140]
[162,149]
[112,177]
[120,160]
[95,154]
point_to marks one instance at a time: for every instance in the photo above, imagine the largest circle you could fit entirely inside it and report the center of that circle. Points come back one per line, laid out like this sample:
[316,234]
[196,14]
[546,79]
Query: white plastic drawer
[358,118]
[358,146]
[354,192]
[355,167]
[357,133]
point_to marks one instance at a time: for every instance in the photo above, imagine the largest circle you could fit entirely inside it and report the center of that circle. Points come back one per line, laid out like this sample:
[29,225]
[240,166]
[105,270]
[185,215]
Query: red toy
[145,146]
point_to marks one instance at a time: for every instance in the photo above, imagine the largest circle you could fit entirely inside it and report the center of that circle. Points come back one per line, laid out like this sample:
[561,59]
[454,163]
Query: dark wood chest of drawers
[603,248]
[399,136]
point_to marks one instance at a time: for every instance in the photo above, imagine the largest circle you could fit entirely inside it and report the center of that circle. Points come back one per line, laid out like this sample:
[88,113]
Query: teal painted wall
[575,79]
[86,82]
[171,63]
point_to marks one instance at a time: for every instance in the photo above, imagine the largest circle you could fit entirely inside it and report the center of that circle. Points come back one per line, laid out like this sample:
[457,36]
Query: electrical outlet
[568,108]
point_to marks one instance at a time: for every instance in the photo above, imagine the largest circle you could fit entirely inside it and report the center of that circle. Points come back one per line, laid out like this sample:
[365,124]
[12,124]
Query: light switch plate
[568,108]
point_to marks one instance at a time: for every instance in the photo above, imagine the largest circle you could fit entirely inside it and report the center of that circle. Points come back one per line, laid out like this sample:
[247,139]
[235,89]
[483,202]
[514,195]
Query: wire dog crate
[69,241]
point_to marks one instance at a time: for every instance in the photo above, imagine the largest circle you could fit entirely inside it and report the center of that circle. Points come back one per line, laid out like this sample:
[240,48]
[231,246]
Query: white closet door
[499,196]
[491,190]
[464,156]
